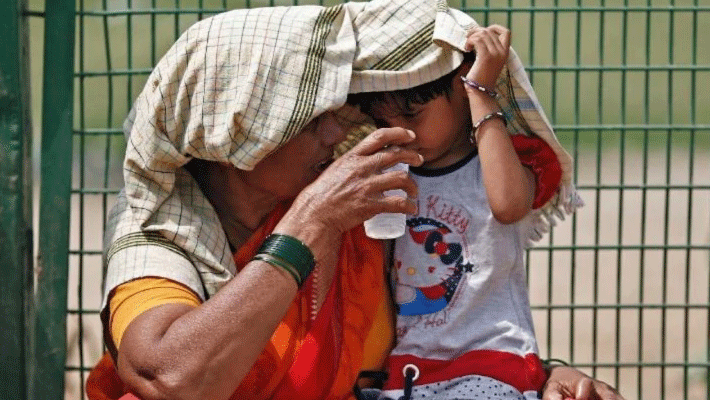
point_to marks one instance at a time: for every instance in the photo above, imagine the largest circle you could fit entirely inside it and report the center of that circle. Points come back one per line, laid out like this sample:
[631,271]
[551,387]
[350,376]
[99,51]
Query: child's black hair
[403,100]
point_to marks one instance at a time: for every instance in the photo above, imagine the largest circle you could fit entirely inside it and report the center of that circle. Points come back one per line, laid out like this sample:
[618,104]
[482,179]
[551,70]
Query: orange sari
[309,358]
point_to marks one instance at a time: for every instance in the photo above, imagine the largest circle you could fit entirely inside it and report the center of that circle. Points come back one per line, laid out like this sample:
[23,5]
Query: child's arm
[509,185]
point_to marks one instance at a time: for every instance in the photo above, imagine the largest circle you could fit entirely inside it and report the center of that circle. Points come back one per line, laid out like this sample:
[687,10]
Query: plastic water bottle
[388,225]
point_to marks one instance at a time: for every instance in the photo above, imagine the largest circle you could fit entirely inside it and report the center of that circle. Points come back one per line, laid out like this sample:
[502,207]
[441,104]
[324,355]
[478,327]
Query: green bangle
[292,251]
[277,262]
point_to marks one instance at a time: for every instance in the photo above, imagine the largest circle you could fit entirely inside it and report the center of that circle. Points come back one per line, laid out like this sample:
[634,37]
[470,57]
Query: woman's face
[288,170]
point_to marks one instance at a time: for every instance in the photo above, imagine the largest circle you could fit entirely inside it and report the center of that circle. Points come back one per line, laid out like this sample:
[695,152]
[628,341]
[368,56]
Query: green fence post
[56,161]
[15,200]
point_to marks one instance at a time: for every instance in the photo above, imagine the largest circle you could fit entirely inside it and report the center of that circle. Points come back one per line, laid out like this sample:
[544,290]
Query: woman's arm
[176,351]
[180,352]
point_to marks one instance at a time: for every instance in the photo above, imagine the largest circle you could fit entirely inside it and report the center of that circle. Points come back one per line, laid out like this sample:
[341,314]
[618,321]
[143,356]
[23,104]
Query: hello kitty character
[427,278]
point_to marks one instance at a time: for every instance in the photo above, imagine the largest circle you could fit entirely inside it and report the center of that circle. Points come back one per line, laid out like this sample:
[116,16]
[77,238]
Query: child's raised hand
[492,45]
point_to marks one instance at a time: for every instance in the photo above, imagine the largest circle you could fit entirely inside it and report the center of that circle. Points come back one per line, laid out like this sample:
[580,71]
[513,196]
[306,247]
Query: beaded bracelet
[473,84]
[288,253]
[497,114]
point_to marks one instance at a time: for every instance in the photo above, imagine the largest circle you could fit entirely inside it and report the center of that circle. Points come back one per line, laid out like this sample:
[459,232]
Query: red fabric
[537,155]
[523,373]
[316,360]
[103,382]
[305,360]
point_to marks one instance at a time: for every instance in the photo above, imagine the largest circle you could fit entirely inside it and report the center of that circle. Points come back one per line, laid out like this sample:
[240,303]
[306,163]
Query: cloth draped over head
[236,86]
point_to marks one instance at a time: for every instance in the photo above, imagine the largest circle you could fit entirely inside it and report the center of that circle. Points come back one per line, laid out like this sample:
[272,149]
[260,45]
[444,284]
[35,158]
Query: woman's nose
[330,130]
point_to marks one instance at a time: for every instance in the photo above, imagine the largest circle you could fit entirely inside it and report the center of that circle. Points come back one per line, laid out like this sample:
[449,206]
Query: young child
[464,325]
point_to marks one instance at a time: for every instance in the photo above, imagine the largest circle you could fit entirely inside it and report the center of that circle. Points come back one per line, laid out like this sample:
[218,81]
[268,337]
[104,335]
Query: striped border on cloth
[310,80]
[509,105]
[141,239]
[405,53]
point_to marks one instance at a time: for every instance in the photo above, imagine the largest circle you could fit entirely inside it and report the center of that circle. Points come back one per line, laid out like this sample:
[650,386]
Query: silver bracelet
[497,115]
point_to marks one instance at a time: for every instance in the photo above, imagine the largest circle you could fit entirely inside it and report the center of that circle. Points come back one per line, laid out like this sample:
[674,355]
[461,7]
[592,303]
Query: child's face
[442,126]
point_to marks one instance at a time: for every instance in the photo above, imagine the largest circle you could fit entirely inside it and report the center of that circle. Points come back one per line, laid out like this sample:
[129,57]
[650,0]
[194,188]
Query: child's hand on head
[492,45]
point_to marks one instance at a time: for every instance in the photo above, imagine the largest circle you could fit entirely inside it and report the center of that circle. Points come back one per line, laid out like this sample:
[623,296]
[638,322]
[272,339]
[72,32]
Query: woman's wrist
[288,253]
[321,239]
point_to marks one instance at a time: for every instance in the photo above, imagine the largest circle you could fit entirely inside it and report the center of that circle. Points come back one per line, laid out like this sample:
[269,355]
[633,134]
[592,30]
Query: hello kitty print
[428,276]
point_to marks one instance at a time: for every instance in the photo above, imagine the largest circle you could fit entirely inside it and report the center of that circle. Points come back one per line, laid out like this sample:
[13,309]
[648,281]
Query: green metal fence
[15,200]
[620,290]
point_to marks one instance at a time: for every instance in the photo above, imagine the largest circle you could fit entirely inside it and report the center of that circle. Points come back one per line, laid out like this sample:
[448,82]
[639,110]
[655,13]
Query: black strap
[408,384]
[378,376]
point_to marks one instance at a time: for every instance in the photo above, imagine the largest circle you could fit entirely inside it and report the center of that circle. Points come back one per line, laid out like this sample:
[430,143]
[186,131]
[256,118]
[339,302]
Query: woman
[255,280]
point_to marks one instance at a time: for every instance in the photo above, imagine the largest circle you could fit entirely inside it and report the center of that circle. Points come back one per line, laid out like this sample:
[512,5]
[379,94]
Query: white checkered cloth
[238,85]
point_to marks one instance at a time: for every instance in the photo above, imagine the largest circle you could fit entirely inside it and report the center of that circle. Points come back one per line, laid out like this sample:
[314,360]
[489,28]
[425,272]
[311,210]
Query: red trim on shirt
[523,373]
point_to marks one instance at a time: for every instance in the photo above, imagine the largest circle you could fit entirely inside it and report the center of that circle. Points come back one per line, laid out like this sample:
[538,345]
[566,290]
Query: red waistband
[523,373]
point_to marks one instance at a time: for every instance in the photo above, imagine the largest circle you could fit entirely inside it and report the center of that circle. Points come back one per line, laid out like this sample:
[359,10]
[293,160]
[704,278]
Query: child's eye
[411,116]
[412,112]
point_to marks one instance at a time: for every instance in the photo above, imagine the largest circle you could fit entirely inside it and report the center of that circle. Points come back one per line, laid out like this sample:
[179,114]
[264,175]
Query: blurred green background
[590,64]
